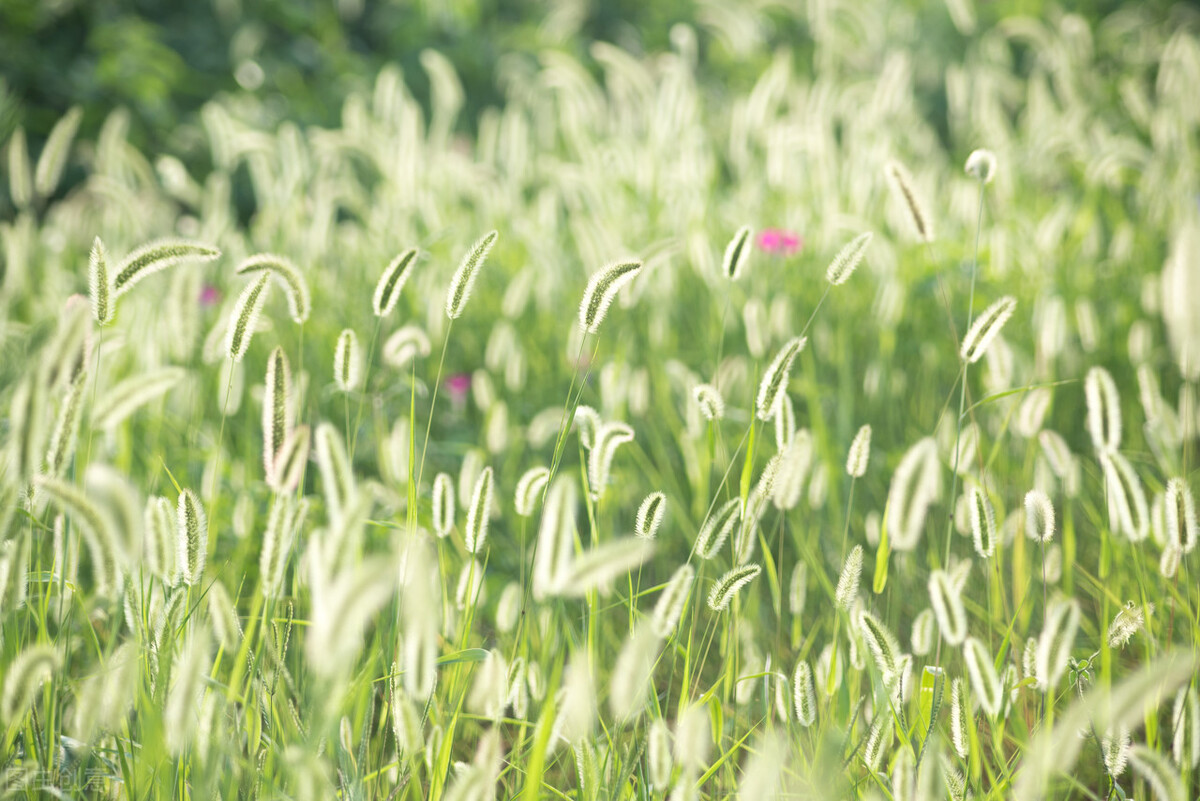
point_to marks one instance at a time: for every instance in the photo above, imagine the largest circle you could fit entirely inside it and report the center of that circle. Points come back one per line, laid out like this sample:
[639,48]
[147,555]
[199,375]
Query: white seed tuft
[1039,516]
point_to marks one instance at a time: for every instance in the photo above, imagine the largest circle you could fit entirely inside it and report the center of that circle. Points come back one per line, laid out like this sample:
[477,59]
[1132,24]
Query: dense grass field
[833,440]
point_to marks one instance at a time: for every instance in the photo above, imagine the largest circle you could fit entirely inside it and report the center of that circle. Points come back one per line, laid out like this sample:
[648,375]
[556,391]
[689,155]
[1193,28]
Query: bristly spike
[244,318]
[387,291]
[650,515]
[775,379]
[602,290]
[730,584]
[277,419]
[860,453]
[847,260]
[464,278]
[986,327]
[736,253]
[347,361]
[156,256]
[289,276]
[99,284]
[903,184]
[477,514]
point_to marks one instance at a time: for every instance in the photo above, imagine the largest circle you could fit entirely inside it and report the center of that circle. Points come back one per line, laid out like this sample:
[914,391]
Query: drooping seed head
[443,504]
[295,287]
[1128,511]
[1039,516]
[191,538]
[946,600]
[805,694]
[244,319]
[387,291]
[902,184]
[347,363]
[1103,409]
[478,512]
[99,285]
[716,529]
[914,488]
[54,153]
[650,515]
[155,257]
[985,683]
[1056,641]
[1185,722]
[602,290]
[464,277]
[860,453]
[736,253]
[529,490]
[658,755]
[983,521]
[609,437]
[1126,623]
[960,718]
[290,460]
[1158,772]
[26,674]
[847,260]
[775,379]
[882,643]
[670,605]
[333,462]
[728,586]
[404,345]
[597,567]
[709,399]
[277,419]
[985,328]
[1179,516]
[981,165]
[847,586]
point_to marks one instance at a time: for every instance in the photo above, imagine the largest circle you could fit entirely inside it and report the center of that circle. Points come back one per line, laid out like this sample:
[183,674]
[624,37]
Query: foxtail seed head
[244,318]
[1103,409]
[99,285]
[736,253]
[347,363]
[981,165]
[277,418]
[847,260]
[529,490]
[477,514]
[191,538]
[669,607]
[602,290]
[387,291]
[464,277]
[289,275]
[156,256]
[902,184]
[985,328]
[983,521]
[650,515]
[728,586]
[775,379]
[709,399]
[860,453]
[847,586]
[443,505]
[1039,516]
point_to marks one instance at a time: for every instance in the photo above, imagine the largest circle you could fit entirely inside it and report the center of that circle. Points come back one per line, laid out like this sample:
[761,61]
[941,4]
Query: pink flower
[210,295]
[458,386]
[779,241]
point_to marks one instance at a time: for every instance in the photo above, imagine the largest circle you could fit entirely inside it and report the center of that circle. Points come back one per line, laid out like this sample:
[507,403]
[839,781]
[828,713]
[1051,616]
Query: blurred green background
[162,59]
